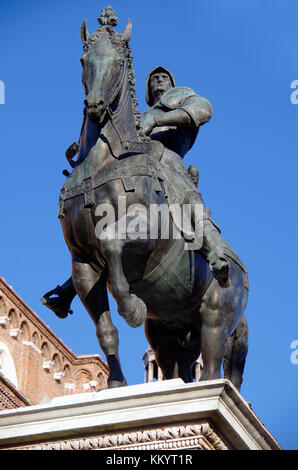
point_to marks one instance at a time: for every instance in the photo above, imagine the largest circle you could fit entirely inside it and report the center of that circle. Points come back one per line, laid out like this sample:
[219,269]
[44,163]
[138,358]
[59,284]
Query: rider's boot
[212,250]
[59,299]
[210,244]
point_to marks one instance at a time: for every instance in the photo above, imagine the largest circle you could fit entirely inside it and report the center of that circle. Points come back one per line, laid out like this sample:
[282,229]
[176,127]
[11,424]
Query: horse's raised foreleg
[91,288]
[130,307]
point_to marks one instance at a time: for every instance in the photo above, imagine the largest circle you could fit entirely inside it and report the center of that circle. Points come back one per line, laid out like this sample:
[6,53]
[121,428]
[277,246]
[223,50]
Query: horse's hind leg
[188,350]
[175,351]
[236,353]
[163,344]
[212,324]
[219,313]
[91,288]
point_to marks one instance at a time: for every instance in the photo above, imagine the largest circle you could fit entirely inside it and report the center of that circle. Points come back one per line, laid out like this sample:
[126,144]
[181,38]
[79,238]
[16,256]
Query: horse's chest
[78,222]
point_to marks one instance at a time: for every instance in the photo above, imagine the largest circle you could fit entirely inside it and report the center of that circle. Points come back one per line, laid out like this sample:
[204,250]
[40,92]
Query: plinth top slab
[134,409]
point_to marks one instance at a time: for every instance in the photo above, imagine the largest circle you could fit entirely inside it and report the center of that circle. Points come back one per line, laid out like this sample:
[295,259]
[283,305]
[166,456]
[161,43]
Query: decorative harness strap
[125,173]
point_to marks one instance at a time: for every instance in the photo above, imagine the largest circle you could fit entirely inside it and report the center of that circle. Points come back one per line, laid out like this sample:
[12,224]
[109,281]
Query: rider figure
[174,118]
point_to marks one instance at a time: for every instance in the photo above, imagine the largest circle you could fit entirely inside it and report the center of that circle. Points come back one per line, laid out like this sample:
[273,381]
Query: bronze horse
[185,309]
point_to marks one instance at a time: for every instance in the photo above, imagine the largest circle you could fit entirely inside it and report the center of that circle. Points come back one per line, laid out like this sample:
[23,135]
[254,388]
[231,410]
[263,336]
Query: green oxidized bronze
[191,300]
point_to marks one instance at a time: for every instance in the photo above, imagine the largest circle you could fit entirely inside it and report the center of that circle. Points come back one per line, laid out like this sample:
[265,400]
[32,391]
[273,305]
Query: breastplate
[175,139]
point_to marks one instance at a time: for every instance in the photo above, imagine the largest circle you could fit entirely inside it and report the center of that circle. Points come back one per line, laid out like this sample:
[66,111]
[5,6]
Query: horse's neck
[123,113]
[90,132]
[105,141]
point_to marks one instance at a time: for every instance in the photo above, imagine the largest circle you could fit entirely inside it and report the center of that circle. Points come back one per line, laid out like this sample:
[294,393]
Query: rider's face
[159,83]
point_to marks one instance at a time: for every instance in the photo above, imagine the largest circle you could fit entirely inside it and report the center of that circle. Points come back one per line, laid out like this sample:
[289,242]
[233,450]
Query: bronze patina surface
[192,301]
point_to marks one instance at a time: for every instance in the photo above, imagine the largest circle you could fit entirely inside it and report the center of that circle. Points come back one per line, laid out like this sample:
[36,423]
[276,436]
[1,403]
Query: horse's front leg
[91,288]
[130,307]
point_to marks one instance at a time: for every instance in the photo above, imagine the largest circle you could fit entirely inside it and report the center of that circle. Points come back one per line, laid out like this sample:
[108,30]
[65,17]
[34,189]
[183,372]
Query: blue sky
[242,56]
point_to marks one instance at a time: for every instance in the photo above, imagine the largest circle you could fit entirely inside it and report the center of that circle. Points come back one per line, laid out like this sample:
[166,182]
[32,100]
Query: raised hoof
[226,283]
[221,270]
[117,383]
[137,314]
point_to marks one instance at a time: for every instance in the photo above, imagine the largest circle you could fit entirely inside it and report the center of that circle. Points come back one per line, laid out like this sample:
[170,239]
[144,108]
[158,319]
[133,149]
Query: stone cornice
[191,436]
[102,418]
[232,400]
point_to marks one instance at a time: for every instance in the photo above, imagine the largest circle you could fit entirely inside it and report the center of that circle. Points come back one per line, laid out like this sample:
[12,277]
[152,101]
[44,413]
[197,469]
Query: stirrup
[56,304]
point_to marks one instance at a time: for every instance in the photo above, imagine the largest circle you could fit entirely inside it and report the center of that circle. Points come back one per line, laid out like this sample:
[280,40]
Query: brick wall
[31,354]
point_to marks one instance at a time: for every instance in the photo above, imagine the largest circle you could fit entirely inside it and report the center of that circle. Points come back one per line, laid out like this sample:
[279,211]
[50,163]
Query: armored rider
[174,118]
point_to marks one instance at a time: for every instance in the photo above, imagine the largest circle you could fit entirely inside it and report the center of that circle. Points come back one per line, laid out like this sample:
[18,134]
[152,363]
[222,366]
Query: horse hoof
[117,383]
[137,314]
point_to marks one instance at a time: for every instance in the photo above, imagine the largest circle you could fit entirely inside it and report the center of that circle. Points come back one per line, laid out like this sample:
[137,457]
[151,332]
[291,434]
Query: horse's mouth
[96,113]
[93,113]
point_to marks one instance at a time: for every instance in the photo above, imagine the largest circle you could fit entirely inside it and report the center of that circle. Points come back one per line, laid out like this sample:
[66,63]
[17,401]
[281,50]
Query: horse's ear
[127,32]
[84,31]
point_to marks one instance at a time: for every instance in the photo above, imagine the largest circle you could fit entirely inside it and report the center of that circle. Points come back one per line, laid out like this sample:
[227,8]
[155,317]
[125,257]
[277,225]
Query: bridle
[116,86]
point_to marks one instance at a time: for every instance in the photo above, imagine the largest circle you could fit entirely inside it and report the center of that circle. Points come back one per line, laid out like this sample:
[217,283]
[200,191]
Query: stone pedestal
[167,415]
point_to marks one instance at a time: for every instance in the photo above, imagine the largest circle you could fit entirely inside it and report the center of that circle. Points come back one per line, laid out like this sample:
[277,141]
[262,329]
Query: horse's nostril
[93,104]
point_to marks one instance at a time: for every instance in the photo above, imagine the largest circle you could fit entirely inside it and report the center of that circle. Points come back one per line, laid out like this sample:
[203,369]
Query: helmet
[148,95]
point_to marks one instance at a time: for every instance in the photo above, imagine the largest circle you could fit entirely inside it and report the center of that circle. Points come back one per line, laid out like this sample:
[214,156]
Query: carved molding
[8,400]
[47,365]
[58,376]
[90,385]
[32,345]
[3,320]
[14,332]
[192,436]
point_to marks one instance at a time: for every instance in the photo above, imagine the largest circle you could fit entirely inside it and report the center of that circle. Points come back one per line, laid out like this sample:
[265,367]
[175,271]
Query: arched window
[57,363]
[7,367]
[46,352]
[81,380]
[35,339]
[46,355]
[58,374]
[13,318]
[67,374]
[25,331]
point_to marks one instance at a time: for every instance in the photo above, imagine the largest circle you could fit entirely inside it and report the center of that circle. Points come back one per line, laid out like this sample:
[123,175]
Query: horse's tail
[235,356]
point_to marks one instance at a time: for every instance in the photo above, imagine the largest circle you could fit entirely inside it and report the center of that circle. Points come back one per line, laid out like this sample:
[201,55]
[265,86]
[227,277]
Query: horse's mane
[124,48]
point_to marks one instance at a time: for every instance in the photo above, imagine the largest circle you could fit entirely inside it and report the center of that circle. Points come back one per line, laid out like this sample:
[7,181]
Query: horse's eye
[82,61]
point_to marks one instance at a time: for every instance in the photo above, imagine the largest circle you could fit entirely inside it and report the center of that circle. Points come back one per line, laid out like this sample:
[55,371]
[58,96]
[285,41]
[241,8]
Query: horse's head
[103,67]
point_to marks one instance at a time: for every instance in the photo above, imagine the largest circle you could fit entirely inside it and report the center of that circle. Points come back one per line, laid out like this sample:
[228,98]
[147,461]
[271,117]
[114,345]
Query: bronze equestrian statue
[191,300]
